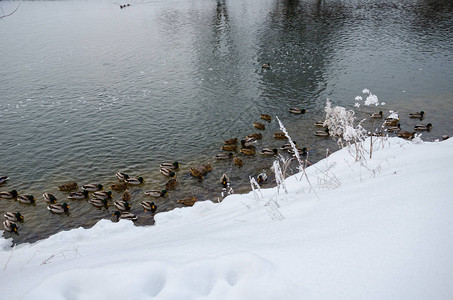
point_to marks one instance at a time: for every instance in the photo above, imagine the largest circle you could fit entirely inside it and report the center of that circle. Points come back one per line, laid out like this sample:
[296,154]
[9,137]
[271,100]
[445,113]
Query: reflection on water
[89,89]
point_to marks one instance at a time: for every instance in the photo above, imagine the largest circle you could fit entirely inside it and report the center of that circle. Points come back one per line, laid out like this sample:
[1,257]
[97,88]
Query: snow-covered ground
[380,229]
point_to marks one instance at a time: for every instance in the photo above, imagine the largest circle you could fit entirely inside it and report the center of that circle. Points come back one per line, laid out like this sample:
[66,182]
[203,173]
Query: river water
[88,89]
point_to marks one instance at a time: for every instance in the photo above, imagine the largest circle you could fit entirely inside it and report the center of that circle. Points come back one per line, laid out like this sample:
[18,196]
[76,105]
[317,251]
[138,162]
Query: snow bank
[378,229]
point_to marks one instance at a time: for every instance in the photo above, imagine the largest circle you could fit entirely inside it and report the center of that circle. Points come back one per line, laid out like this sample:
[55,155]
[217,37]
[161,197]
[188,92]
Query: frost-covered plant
[255,187]
[417,139]
[279,177]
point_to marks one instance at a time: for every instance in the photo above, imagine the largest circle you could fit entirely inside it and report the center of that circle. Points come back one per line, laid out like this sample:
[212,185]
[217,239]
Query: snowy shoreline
[381,229]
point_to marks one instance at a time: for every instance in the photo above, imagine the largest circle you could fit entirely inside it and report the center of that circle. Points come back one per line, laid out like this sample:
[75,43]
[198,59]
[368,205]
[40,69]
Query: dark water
[88,89]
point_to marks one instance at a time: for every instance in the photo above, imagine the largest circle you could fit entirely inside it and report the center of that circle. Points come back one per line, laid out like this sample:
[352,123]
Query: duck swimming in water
[259,126]
[92,187]
[10,226]
[148,206]
[26,199]
[423,127]
[98,202]
[78,195]
[14,216]
[69,186]
[266,66]
[377,115]
[156,193]
[3,179]
[58,208]
[406,135]
[171,183]
[266,117]
[125,216]
[174,165]
[49,198]
[8,195]
[297,111]
[222,156]
[237,162]
[256,136]
[134,181]
[268,151]
[103,195]
[231,141]
[417,115]
[119,186]
[121,176]
[167,172]
[280,136]
[122,205]
[188,201]
[324,133]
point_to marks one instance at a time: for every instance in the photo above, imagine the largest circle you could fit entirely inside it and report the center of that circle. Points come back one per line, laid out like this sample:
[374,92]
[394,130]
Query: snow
[375,229]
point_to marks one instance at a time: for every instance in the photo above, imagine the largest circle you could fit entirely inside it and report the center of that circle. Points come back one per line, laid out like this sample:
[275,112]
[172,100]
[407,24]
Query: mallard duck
[122,176]
[49,198]
[266,117]
[134,181]
[78,195]
[280,136]
[238,162]
[8,195]
[167,172]
[171,183]
[148,206]
[26,199]
[396,128]
[406,135]
[119,186]
[377,115]
[156,193]
[3,179]
[268,151]
[126,196]
[297,111]
[391,122]
[125,216]
[262,177]
[302,152]
[319,123]
[205,168]
[259,125]
[10,226]
[122,205]
[188,201]
[167,165]
[229,147]
[103,195]
[99,202]
[92,187]
[196,173]
[266,66]
[423,127]
[417,115]
[231,141]
[69,186]
[287,146]
[445,137]
[256,136]
[322,133]
[248,142]
[221,156]
[14,216]
[58,208]
[224,179]
[248,151]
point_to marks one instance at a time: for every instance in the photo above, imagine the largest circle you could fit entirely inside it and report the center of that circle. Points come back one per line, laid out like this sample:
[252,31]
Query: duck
[280,136]
[248,142]
[102,194]
[122,205]
[302,152]
[266,117]
[167,172]
[14,216]
[3,179]
[78,195]
[49,198]
[171,183]
[417,115]
[205,168]
[99,202]
[266,66]
[134,181]
[119,186]
[259,125]
[287,146]
[396,128]
[262,177]
[121,176]
[188,201]
[297,111]
[268,151]
[167,165]
[222,156]
[224,179]
[125,216]
[69,186]
[8,195]
[319,123]
[58,208]
[248,151]
[256,136]
[148,206]
[377,115]
[10,226]
[26,199]
[231,141]
[126,196]
[156,193]
[229,147]
[322,133]
[237,162]
[92,187]
[391,122]
[423,127]
[196,173]
[406,135]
